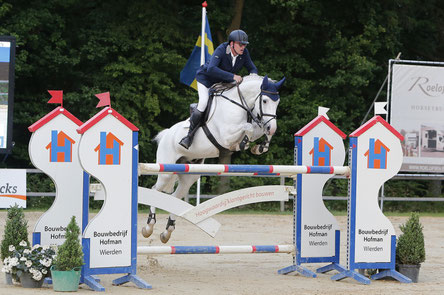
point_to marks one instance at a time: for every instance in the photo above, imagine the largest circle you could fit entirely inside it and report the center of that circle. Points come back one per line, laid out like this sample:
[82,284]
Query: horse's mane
[253,77]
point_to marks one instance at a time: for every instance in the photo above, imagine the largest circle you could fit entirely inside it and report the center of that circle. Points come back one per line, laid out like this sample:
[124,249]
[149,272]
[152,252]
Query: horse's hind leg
[165,183]
[185,182]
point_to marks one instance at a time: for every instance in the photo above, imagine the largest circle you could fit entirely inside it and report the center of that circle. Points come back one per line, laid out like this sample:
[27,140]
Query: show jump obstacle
[106,147]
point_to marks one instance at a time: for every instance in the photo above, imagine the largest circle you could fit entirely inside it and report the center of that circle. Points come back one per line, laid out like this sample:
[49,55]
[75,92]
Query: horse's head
[267,103]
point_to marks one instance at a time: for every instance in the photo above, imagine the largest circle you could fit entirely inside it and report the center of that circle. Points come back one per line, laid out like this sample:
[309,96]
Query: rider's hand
[237,78]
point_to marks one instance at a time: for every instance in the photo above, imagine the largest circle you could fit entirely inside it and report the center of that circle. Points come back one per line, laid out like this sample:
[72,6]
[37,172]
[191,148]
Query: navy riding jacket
[220,67]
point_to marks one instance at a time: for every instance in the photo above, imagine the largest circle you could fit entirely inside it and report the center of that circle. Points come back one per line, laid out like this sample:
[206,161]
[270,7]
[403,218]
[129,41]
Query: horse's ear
[265,82]
[279,84]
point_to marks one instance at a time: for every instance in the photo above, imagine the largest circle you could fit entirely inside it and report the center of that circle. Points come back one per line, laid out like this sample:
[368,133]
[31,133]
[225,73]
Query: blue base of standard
[93,282]
[134,279]
[351,274]
[300,269]
[332,266]
[391,273]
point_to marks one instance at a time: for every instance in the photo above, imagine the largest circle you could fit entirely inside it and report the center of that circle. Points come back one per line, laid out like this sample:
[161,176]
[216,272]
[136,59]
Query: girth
[213,140]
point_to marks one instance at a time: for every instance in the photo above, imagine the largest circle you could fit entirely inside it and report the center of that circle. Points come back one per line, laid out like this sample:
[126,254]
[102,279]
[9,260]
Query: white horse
[247,111]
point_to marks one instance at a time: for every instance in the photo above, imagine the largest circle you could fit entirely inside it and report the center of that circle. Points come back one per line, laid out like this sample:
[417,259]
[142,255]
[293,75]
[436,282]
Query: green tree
[70,254]
[16,230]
[410,248]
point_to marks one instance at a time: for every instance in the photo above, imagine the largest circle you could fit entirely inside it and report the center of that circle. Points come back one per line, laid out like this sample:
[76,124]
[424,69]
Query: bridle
[262,114]
[251,117]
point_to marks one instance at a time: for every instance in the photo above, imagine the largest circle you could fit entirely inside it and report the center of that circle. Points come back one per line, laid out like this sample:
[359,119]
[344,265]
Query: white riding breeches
[203,97]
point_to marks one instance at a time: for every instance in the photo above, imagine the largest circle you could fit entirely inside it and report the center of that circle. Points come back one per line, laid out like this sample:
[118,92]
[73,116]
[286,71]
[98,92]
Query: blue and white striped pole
[220,169]
[215,249]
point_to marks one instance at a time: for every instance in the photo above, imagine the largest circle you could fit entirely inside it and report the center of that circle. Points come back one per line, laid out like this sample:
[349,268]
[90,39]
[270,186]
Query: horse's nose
[268,128]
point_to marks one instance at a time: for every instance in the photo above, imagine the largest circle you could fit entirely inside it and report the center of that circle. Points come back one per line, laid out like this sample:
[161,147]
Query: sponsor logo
[430,89]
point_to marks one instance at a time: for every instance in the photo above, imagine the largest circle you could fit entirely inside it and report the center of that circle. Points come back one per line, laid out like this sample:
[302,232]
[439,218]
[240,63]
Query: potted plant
[410,250]
[16,230]
[29,264]
[67,266]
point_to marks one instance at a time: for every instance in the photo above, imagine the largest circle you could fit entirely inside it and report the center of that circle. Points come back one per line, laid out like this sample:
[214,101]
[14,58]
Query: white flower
[32,270]
[6,269]
[45,247]
[37,276]
[11,248]
[44,271]
[26,251]
[23,244]
[6,260]
[13,261]
[46,262]
[23,258]
[28,263]
[35,246]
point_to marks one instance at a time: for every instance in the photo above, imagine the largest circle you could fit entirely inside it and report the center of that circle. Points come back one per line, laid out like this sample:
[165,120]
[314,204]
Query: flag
[104,99]
[56,96]
[188,73]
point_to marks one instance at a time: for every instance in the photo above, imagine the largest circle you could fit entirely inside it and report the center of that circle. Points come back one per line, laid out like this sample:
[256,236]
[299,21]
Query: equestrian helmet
[238,36]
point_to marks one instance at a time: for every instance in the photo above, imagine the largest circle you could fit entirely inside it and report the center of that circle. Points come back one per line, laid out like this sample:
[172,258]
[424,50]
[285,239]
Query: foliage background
[333,53]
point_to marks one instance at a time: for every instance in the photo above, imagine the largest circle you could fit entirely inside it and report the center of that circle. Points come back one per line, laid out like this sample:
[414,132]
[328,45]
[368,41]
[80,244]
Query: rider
[227,60]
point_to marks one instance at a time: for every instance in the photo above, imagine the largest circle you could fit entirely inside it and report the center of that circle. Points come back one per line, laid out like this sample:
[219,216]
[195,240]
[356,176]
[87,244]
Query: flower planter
[410,271]
[28,282]
[65,281]
[8,279]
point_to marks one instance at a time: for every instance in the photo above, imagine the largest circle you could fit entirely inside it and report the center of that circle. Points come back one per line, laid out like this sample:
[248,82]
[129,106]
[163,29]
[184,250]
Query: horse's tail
[159,135]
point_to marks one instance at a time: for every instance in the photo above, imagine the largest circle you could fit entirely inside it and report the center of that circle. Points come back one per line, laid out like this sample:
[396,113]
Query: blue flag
[188,74]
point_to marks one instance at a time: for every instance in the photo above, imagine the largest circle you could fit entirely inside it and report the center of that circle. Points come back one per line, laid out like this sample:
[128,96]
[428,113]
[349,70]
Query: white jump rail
[220,169]
[247,249]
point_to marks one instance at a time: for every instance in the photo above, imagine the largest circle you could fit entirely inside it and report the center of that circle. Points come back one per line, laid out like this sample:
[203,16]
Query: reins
[250,117]
[258,118]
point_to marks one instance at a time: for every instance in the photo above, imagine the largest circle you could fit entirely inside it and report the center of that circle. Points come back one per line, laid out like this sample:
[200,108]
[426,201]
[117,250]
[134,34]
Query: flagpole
[202,61]
[202,35]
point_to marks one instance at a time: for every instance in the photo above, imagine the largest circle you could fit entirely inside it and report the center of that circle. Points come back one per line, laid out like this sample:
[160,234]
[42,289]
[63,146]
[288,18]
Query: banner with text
[12,188]
[416,97]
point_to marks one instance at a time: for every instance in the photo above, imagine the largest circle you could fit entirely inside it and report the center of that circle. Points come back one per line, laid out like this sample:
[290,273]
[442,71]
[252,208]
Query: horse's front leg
[234,135]
[185,182]
[165,183]
[263,147]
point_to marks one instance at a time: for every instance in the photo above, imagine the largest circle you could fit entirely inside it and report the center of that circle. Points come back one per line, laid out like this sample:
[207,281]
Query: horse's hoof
[165,236]
[147,230]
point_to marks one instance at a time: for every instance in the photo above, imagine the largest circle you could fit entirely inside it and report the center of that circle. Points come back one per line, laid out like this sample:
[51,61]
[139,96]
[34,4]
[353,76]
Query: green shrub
[410,247]
[16,230]
[70,254]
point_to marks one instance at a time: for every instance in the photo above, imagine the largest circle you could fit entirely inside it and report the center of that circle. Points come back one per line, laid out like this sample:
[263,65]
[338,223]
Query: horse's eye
[264,101]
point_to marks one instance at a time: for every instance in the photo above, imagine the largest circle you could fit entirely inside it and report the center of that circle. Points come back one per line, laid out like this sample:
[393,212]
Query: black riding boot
[194,123]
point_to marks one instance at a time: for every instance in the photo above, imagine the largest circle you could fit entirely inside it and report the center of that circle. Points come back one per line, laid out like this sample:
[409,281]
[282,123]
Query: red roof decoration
[315,122]
[54,113]
[108,111]
[373,121]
